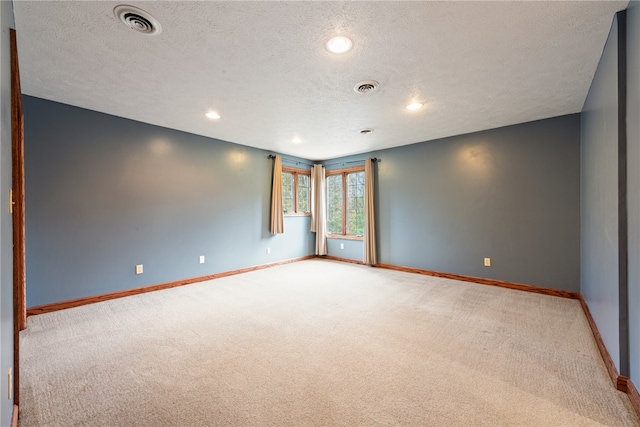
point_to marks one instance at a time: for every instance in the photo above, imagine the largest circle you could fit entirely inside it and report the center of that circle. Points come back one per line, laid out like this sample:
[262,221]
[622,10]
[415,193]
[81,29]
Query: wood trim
[606,357]
[345,237]
[17,148]
[296,172]
[634,396]
[47,308]
[621,383]
[490,282]
[14,416]
[17,208]
[336,258]
[345,170]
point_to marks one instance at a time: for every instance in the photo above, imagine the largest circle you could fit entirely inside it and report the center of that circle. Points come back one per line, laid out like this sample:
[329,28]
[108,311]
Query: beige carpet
[319,343]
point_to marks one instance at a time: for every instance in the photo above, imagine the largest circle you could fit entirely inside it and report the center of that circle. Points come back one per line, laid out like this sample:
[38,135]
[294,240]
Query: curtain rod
[289,159]
[271,156]
[375,159]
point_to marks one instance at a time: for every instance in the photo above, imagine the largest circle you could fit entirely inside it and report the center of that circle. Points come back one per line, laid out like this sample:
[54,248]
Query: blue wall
[633,183]
[510,194]
[345,248]
[105,193]
[6,244]
[599,197]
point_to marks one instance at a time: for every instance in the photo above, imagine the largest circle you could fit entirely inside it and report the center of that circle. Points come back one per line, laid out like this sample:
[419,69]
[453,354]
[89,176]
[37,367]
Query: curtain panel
[277,214]
[370,248]
[318,208]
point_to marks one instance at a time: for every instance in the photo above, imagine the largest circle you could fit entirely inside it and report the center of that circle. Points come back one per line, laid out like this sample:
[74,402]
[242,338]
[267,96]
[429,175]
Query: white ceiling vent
[366,86]
[137,19]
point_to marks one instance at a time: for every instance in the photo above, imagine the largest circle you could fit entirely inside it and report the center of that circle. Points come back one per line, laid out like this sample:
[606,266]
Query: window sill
[297,214]
[344,237]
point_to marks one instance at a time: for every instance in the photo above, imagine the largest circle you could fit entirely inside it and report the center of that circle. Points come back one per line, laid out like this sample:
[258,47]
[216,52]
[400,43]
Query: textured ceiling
[263,67]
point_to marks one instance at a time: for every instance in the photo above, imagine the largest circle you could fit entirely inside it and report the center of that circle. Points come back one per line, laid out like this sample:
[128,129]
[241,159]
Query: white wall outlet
[10,384]
[139,269]
[487,262]
[341,245]
[201,259]
[268,251]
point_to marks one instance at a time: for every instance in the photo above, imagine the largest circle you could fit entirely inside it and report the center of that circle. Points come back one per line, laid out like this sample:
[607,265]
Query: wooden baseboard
[336,258]
[634,396]
[14,416]
[606,357]
[490,282]
[622,383]
[47,308]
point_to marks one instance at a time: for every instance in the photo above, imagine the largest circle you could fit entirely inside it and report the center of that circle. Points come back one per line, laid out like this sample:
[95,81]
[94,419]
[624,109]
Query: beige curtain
[318,209]
[277,214]
[370,249]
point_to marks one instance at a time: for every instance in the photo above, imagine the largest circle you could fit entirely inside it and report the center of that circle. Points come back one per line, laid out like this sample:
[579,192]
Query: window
[295,191]
[345,202]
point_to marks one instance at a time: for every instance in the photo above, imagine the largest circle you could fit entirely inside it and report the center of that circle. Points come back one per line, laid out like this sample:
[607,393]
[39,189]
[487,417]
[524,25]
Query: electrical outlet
[341,245]
[139,269]
[201,259]
[268,251]
[10,384]
[487,262]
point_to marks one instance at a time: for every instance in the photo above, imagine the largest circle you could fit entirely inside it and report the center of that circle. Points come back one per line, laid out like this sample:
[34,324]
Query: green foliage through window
[355,203]
[334,204]
[287,192]
[303,193]
[345,203]
[296,191]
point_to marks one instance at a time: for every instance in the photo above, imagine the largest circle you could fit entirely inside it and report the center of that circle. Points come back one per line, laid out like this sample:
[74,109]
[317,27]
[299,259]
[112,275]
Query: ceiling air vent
[366,131]
[137,19]
[366,86]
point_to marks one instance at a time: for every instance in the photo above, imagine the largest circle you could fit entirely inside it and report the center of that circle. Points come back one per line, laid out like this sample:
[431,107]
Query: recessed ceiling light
[212,115]
[296,140]
[414,106]
[339,44]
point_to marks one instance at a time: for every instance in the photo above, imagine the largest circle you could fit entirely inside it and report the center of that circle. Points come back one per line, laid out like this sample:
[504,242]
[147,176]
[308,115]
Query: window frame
[344,172]
[296,172]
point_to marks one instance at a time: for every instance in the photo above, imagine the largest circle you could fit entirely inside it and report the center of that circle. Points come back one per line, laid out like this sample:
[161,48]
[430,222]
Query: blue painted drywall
[633,184]
[510,194]
[599,198]
[352,249]
[6,244]
[105,193]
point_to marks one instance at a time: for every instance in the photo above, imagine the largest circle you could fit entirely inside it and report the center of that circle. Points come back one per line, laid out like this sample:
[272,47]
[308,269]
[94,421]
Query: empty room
[369,213]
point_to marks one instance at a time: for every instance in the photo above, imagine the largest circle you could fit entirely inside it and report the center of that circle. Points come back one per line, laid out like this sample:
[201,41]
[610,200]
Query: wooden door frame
[18,214]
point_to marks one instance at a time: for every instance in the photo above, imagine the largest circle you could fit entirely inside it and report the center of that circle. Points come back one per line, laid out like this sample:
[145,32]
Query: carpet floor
[319,343]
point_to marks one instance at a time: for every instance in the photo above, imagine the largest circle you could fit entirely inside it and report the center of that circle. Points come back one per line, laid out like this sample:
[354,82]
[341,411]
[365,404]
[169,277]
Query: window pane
[287,192]
[355,203]
[303,193]
[334,204]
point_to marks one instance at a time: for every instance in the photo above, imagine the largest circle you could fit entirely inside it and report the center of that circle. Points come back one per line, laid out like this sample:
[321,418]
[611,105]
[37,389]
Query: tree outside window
[345,202]
[295,191]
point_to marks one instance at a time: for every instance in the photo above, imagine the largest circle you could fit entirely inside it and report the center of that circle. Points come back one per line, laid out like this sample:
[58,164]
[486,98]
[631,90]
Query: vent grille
[366,86]
[366,131]
[137,19]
